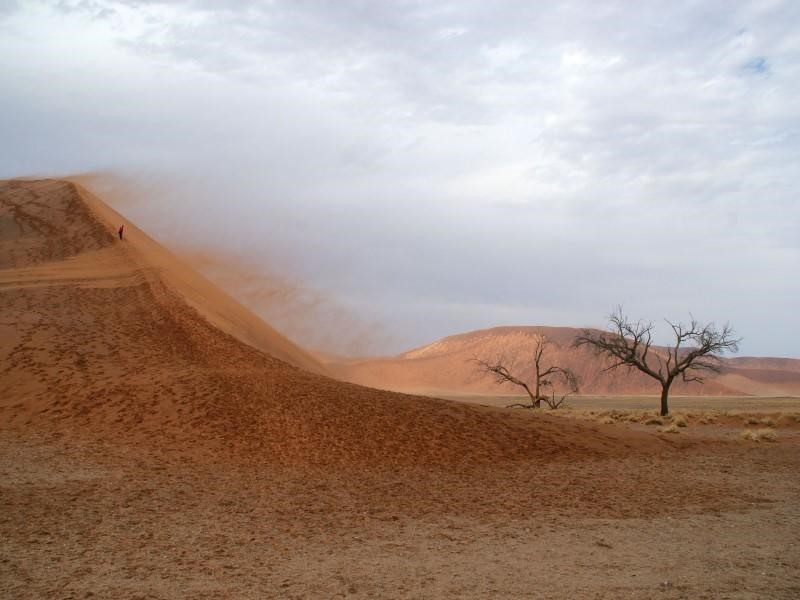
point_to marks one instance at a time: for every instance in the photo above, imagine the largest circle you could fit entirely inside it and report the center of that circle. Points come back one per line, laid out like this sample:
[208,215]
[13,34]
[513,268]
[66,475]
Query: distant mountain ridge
[446,366]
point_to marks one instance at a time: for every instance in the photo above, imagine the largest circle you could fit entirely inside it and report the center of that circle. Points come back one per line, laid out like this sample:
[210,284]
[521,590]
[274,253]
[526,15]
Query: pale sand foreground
[153,446]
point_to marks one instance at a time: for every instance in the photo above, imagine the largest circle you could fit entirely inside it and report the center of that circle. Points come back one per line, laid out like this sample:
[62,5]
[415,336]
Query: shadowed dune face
[43,222]
[446,366]
[119,340]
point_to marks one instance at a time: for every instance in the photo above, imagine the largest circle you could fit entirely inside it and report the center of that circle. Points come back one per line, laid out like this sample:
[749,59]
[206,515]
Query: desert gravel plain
[158,441]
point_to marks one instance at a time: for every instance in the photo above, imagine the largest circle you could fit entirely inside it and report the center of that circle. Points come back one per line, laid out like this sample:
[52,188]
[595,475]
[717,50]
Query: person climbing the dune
[121,227]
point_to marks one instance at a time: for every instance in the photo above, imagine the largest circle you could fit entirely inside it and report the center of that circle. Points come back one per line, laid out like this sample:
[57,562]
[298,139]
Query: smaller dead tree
[543,377]
[695,353]
[554,403]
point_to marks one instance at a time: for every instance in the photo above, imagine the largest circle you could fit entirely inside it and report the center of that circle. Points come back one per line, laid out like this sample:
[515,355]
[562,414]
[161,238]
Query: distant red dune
[445,366]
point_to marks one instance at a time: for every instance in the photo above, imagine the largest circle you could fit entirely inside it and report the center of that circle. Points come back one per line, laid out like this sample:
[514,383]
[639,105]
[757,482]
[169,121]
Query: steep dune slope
[211,302]
[53,228]
[117,340]
[446,366]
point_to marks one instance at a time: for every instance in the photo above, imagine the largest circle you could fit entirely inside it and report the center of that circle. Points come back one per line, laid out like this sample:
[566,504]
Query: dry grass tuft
[767,422]
[786,419]
[618,415]
[576,413]
[680,421]
[708,419]
[671,428]
[751,421]
[768,435]
[759,435]
[607,420]
[654,421]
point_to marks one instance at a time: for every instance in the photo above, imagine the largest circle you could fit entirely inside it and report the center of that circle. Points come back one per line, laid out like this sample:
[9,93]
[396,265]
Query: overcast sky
[418,169]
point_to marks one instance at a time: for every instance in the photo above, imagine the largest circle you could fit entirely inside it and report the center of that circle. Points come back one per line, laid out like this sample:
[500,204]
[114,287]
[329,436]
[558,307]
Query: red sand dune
[118,340]
[445,367]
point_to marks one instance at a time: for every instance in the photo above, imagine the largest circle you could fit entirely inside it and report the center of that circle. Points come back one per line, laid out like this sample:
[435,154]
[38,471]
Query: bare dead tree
[554,403]
[543,376]
[694,355]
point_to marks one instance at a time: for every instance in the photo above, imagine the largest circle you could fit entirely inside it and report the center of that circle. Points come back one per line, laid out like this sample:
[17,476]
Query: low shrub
[768,435]
[759,435]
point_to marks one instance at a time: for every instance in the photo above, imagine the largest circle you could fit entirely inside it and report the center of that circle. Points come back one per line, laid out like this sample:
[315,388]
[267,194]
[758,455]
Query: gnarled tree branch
[543,376]
[696,351]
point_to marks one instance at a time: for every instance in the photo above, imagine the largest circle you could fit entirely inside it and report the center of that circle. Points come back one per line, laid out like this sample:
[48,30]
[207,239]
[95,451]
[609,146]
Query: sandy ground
[151,446]
[86,520]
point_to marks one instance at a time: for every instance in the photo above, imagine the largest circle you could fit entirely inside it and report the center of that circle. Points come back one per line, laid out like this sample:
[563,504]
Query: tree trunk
[534,404]
[664,396]
[538,399]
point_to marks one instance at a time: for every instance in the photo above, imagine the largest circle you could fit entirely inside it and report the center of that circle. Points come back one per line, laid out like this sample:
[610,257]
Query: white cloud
[565,156]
